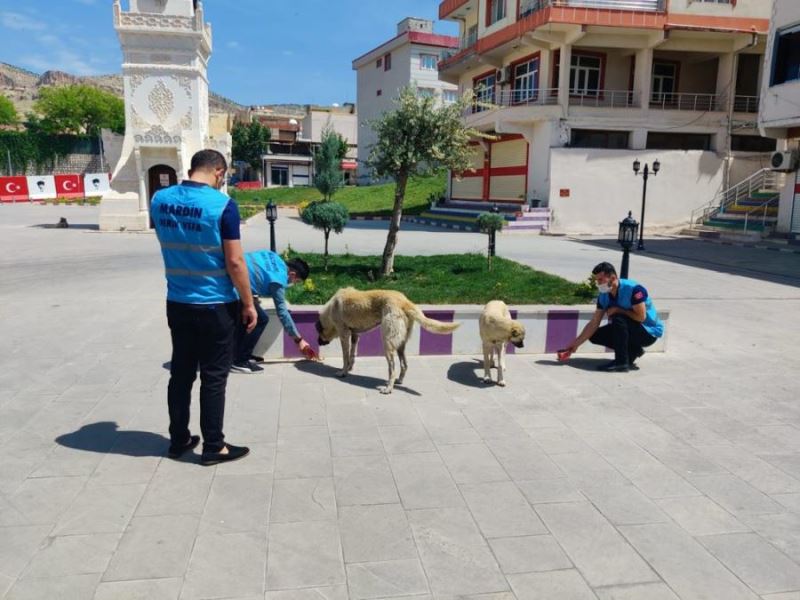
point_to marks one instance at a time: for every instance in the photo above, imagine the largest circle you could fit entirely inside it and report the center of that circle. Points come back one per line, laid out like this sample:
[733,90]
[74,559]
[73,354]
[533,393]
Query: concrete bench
[548,329]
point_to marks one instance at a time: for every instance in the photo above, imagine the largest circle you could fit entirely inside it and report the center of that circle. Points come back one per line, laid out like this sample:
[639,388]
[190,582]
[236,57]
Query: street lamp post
[272,214]
[636,166]
[625,238]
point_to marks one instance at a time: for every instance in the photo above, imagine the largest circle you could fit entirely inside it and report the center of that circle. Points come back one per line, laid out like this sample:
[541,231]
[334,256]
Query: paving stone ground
[681,480]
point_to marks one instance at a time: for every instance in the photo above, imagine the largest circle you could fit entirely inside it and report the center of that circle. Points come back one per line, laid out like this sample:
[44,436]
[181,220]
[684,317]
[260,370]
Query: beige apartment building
[573,91]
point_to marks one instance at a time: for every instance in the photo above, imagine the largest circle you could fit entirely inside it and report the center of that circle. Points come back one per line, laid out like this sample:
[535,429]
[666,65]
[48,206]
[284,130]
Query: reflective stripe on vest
[191,247]
[188,273]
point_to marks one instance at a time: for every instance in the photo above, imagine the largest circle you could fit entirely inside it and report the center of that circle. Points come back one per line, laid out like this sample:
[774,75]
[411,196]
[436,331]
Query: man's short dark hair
[208,160]
[299,266]
[96,181]
[605,268]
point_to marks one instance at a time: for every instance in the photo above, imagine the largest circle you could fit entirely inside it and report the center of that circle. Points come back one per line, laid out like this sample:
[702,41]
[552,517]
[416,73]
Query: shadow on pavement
[756,263]
[467,373]
[364,381]
[106,437]
[89,226]
[584,364]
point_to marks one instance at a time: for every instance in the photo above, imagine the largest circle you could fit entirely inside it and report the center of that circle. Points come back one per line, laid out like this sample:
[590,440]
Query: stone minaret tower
[166,46]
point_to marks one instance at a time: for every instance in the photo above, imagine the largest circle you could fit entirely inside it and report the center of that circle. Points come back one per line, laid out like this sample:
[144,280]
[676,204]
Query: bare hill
[22,87]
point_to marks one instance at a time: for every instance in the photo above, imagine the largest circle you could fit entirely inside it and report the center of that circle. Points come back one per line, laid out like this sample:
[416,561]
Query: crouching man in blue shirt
[269,276]
[633,320]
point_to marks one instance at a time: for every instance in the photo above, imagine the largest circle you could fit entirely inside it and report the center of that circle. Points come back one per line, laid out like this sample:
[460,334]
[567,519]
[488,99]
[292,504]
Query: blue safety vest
[265,268]
[651,324]
[187,221]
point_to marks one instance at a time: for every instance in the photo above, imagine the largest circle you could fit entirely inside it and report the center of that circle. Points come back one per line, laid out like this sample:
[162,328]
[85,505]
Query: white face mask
[604,288]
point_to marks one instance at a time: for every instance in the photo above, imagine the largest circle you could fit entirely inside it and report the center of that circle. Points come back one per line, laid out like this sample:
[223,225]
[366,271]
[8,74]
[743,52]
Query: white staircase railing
[765,179]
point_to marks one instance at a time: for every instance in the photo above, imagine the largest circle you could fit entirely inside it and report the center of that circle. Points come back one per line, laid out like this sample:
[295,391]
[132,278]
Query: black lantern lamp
[626,238]
[637,165]
[271,212]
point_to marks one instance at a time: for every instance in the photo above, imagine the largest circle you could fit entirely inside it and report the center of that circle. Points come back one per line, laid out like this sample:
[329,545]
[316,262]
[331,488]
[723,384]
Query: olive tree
[418,136]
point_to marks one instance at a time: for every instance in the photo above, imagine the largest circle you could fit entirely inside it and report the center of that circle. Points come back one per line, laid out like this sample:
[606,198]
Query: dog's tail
[431,325]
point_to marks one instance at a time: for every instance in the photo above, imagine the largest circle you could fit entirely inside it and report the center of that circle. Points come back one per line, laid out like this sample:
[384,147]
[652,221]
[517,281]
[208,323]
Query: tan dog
[497,329]
[351,312]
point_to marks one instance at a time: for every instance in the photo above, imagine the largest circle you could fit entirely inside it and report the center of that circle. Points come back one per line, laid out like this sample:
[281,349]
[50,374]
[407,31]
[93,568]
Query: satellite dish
[335,105]
[292,121]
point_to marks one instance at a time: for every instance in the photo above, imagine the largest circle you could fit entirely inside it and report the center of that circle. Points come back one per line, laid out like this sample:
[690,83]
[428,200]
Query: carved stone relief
[157,136]
[161,101]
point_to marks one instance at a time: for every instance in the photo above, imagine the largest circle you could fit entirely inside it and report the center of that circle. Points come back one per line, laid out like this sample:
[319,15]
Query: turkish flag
[13,189]
[69,186]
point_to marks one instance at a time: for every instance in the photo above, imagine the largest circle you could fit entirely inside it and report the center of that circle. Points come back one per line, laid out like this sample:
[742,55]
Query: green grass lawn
[363,200]
[440,279]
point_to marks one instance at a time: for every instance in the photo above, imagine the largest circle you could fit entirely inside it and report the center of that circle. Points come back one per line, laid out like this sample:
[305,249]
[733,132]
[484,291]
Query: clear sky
[265,51]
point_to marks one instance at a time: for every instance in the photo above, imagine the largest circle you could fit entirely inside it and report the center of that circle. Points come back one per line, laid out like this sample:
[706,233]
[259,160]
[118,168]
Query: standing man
[633,320]
[270,276]
[198,229]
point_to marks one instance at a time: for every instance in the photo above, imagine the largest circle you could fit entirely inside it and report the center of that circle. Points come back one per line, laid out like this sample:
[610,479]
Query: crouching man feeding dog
[351,312]
[497,328]
[633,320]
[269,276]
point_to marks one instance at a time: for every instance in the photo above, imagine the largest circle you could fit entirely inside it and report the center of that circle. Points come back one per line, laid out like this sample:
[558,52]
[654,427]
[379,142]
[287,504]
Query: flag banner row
[50,187]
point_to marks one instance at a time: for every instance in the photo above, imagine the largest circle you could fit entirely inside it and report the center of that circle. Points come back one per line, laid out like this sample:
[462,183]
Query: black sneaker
[233,453]
[246,368]
[613,367]
[257,359]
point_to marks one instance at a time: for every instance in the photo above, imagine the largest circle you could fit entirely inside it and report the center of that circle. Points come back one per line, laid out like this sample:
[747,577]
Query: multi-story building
[573,91]
[290,157]
[780,105]
[409,59]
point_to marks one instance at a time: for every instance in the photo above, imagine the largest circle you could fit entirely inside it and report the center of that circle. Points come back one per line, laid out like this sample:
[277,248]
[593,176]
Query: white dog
[497,329]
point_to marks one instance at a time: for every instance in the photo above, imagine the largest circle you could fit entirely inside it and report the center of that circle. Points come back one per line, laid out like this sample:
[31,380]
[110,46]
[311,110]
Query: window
[428,62]
[484,92]
[379,63]
[786,57]
[526,80]
[387,62]
[426,92]
[279,175]
[658,140]
[585,75]
[752,143]
[379,92]
[596,138]
[665,82]
[495,10]
[449,96]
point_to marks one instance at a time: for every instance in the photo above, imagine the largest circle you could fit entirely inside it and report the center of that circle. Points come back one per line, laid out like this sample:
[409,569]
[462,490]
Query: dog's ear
[517,331]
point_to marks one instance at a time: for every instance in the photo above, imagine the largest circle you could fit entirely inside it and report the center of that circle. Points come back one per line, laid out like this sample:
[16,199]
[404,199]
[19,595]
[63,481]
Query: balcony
[693,102]
[549,97]
[527,7]
[745,104]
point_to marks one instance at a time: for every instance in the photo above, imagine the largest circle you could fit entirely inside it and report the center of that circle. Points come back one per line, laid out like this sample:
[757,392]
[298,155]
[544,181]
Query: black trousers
[626,336]
[202,336]
[246,342]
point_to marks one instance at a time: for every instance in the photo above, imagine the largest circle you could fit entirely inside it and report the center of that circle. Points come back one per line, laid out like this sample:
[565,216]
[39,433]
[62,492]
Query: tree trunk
[394,225]
[325,257]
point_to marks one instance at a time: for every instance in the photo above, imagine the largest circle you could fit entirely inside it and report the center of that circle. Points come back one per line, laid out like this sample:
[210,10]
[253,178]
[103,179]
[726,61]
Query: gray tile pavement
[679,481]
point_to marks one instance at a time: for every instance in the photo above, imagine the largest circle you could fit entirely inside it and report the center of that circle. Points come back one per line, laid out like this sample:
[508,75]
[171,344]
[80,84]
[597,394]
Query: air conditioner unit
[503,75]
[783,161]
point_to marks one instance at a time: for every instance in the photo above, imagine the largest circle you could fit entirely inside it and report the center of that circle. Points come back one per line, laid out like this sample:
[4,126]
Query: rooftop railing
[530,6]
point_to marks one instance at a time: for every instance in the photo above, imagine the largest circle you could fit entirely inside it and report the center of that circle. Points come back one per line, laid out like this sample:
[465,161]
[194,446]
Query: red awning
[349,165]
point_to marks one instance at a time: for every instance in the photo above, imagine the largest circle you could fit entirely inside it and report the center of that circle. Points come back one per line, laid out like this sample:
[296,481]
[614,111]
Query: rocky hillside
[22,87]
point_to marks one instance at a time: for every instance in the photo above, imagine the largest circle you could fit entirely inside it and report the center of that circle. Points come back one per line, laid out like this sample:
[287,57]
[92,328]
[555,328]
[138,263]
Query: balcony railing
[607,98]
[527,7]
[745,104]
[696,102]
